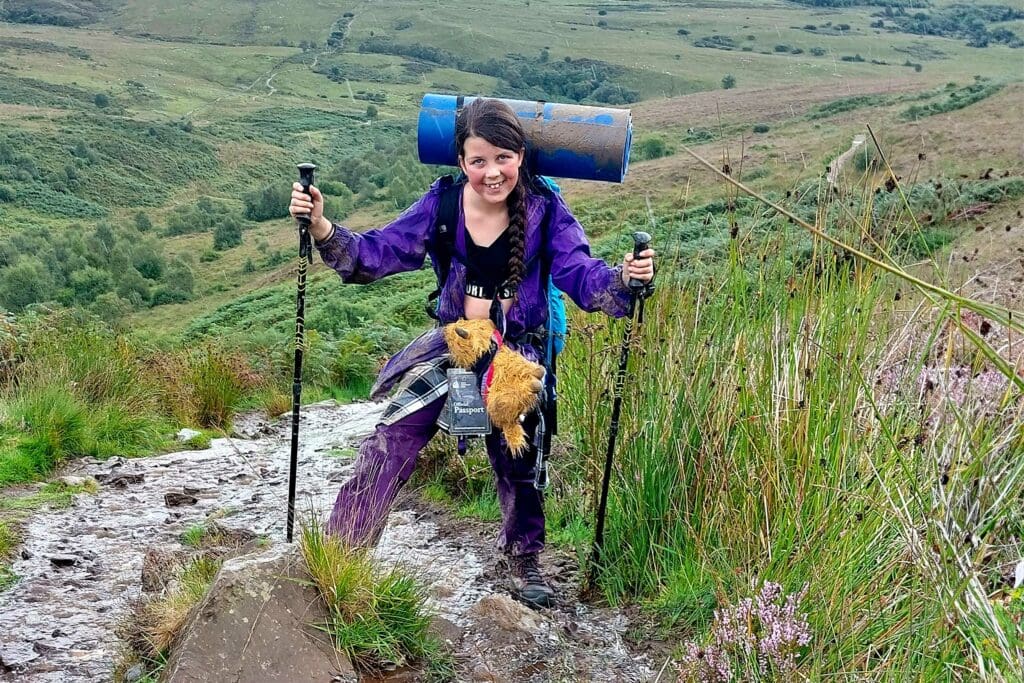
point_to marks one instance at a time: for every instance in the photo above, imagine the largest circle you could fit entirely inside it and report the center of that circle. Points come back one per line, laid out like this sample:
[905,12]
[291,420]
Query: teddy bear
[511,383]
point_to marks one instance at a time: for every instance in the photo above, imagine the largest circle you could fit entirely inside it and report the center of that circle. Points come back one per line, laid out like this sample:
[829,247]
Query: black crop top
[487,268]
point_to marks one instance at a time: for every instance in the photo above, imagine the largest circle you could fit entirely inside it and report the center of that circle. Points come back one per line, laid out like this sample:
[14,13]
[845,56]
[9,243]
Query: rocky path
[81,567]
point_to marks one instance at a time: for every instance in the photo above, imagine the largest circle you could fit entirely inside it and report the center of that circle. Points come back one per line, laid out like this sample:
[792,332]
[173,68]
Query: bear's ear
[468,341]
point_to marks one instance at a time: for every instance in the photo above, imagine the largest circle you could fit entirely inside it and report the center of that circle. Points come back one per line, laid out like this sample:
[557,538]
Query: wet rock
[446,631]
[255,625]
[120,480]
[174,499]
[484,672]
[63,561]
[499,612]
[186,434]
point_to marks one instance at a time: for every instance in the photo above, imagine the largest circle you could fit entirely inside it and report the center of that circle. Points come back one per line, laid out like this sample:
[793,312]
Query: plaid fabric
[421,385]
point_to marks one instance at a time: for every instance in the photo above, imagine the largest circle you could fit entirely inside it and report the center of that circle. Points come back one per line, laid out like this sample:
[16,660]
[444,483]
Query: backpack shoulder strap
[442,243]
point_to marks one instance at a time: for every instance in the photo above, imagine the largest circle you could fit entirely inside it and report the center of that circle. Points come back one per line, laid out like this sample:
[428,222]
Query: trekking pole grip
[641,242]
[305,179]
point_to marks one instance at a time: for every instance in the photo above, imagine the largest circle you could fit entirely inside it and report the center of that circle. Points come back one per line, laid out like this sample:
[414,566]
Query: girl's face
[491,171]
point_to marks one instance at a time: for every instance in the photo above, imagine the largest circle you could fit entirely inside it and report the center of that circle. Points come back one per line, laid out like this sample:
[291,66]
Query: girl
[499,245]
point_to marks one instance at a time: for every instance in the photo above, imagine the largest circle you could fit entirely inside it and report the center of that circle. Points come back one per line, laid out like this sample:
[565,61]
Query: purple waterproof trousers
[386,461]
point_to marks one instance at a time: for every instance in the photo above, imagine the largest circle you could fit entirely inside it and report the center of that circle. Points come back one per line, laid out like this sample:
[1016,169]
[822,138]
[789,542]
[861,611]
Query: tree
[728,81]
[371,111]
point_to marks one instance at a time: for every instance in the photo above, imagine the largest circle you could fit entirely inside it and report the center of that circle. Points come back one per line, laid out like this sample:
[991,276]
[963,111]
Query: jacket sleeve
[590,282]
[399,246]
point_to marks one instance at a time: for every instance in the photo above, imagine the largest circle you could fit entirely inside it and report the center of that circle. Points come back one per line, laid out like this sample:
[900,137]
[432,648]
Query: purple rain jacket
[402,245]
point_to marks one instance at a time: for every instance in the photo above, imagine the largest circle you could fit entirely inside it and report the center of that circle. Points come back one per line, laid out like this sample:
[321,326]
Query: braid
[517,235]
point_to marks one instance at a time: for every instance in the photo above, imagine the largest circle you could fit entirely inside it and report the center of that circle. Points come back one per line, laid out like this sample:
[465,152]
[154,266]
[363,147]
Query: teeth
[493,186]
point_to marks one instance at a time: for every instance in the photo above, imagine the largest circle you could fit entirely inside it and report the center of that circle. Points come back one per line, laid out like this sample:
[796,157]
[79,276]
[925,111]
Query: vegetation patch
[716,42]
[55,12]
[955,99]
[575,80]
[378,618]
[963,21]
[42,46]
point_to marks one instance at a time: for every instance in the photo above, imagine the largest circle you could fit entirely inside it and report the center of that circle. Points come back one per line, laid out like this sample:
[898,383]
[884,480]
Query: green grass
[9,541]
[378,618]
[763,451]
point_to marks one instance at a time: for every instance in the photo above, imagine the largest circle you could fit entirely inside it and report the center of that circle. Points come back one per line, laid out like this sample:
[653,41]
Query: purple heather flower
[761,626]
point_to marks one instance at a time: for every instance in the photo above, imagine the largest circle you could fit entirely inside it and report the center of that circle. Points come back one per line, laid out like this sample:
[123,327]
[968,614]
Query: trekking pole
[305,249]
[641,241]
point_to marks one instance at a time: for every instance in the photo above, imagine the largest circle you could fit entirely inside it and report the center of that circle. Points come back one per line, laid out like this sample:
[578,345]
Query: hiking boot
[533,589]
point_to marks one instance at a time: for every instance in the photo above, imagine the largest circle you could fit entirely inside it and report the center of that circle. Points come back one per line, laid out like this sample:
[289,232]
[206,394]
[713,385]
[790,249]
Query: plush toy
[512,384]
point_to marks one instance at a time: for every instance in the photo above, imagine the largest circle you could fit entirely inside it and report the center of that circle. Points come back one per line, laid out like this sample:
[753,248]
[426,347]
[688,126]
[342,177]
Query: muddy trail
[81,568]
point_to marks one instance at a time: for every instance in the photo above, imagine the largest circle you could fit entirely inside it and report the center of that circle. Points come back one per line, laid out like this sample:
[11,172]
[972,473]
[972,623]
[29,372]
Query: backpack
[444,247]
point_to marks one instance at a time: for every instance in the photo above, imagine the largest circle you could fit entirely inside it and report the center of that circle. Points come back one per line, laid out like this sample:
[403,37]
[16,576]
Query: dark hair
[495,122]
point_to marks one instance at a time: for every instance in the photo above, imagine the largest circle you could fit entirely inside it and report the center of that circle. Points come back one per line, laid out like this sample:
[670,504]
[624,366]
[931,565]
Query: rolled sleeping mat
[563,140]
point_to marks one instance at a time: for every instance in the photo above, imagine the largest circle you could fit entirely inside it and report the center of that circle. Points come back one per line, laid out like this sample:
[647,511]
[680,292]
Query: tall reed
[770,433]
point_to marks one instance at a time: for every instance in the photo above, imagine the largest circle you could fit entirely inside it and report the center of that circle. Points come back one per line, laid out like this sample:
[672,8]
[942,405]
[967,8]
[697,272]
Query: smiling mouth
[494,186]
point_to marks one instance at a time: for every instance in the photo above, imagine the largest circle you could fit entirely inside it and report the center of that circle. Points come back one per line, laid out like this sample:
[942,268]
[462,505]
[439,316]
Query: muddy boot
[533,589]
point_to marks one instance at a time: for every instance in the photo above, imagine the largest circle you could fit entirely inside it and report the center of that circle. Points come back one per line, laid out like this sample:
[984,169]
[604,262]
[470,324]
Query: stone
[134,674]
[73,481]
[63,561]
[175,499]
[501,615]
[120,479]
[186,434]
[256,624]
[483,673]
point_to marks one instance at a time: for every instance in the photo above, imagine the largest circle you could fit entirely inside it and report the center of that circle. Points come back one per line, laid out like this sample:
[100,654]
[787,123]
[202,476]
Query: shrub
[101,100]
[7,193]
[227,234]
[728,81]
[269,203]
[761,128]
[651,147]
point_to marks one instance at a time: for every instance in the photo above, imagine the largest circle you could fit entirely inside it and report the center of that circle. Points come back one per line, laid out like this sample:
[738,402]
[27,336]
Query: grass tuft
[377,618]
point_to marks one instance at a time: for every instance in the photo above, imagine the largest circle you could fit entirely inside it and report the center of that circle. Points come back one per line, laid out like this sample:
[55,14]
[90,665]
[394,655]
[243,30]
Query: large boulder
[256,624]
